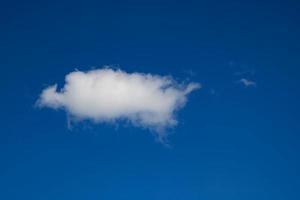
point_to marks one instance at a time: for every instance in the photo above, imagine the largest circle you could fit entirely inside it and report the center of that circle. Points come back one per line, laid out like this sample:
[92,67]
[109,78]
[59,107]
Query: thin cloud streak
[247,82]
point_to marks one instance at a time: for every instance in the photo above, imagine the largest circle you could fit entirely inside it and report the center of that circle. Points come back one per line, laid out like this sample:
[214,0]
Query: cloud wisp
[108,96]
[247,83]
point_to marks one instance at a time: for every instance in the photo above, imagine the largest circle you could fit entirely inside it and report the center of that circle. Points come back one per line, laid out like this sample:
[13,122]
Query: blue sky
[231,141]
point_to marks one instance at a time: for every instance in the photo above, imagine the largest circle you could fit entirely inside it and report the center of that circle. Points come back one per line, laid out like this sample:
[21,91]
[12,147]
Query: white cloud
[247,82]
[107,95]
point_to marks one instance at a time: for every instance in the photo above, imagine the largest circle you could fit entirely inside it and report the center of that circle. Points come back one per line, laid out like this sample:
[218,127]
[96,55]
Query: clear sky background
[232,142]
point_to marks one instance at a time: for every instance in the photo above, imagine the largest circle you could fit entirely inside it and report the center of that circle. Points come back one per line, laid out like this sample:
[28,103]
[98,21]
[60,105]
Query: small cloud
[111,95]
[247,83]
